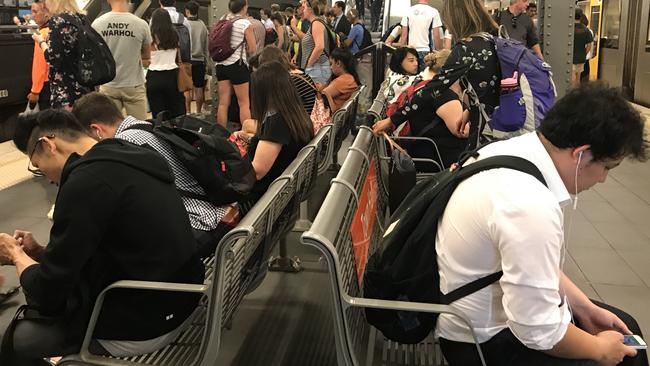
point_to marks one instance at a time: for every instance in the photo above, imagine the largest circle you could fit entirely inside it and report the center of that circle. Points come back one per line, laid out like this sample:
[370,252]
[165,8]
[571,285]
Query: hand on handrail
[382,126]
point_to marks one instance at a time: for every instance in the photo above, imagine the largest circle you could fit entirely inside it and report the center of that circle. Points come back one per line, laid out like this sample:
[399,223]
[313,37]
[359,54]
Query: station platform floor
[288,321]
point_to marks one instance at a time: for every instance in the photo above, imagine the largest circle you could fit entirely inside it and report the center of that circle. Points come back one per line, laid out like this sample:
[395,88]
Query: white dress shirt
[507,220]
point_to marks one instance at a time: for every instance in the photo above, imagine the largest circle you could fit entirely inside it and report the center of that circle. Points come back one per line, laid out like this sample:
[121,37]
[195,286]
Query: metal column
[556,18]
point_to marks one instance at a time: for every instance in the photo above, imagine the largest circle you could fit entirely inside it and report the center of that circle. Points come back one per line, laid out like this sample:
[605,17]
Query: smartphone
[634,341]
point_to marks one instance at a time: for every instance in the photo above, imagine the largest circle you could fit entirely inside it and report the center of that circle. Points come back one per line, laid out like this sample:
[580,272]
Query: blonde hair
[319,7]
[63,6]
[436,60]
[465,18]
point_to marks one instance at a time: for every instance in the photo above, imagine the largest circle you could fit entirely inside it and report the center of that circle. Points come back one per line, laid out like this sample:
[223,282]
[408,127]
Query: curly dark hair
[599,116]
[50,121]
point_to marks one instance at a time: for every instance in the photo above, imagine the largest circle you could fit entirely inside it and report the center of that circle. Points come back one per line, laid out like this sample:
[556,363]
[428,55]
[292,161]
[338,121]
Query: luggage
[222,169]
[407,267]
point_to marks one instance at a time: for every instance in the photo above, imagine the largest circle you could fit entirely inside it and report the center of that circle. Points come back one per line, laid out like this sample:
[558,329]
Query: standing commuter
[233,73]
[375,14]
[341,25]
[124,33]
[582,41]
[61,43]
[422,29]
[315,43]
[265,16]
[40,91]
[199,57]
[162,77]
[519,26]
[534,314]
[354,39]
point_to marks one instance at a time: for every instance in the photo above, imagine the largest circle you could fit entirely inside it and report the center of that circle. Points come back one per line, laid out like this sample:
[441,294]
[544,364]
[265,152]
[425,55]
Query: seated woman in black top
[285,127]
[440,120]
[472,56]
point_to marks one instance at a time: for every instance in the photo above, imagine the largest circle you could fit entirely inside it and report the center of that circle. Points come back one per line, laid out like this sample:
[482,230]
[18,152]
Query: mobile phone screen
[631,341]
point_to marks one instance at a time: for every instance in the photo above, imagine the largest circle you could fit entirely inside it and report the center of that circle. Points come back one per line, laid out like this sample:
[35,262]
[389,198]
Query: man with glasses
[519,26]
[118,217]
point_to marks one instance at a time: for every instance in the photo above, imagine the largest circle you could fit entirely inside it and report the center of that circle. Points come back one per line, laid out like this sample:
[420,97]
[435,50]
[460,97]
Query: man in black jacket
[340,24]
[118,217]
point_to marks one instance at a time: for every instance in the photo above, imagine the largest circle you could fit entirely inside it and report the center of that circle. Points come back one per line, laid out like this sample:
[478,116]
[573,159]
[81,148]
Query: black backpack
[407,268]
[367,38]
[95,62]
[183,39]
[221,169]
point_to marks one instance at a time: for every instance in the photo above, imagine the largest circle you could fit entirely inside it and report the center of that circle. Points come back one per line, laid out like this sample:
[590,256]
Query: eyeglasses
[36,171]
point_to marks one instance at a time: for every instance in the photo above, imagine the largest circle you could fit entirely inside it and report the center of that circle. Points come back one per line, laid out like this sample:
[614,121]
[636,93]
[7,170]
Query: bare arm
[588,47]
[452,114]
[296,30]
[280,33]
[265,156]
[538,50]
[405,34]
[318,33]
[251,45]
[437,37]
[145,53]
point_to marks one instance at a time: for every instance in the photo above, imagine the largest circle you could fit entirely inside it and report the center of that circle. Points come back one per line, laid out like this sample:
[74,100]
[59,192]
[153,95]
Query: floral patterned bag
[321,114]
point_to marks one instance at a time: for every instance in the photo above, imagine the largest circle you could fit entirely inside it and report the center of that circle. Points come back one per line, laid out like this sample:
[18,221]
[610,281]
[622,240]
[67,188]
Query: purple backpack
[524,105]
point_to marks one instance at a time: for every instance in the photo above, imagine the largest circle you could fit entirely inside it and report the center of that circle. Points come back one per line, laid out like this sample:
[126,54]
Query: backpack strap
[495,162]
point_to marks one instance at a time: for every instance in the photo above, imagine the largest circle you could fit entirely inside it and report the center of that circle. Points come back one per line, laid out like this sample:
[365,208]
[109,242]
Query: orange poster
[364,221]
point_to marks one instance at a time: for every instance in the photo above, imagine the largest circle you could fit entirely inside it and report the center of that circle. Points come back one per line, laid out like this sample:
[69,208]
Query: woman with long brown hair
[283,126]
[473,56]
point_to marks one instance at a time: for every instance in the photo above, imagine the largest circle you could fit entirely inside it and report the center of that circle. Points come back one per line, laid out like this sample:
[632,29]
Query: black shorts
[237,73]
[198,74]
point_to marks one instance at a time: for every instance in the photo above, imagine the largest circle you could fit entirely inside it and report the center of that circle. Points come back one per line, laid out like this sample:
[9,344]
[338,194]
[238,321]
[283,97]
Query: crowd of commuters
[128,208]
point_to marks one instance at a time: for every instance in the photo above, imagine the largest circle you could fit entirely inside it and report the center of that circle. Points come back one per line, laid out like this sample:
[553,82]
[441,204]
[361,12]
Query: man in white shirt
[505,220]
[422,29]
[124,33]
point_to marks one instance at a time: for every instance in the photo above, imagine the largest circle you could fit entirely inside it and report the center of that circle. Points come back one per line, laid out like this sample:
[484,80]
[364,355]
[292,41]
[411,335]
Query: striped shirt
[308,46]
[306,89]
[203,215]
[237,41]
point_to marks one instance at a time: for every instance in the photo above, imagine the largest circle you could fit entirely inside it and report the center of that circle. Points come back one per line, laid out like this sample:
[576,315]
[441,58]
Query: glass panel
[611,23]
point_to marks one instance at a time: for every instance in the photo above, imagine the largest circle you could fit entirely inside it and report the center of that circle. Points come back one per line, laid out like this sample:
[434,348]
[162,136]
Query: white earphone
[575,200]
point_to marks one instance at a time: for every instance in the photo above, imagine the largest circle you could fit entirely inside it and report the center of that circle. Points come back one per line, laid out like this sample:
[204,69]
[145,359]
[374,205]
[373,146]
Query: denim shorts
[319,72]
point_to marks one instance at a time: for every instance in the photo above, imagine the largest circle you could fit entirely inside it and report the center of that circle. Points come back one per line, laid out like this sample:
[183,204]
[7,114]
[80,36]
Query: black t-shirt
[478,61]
[426,123]
[520,28]
[275,129]
[582,37]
